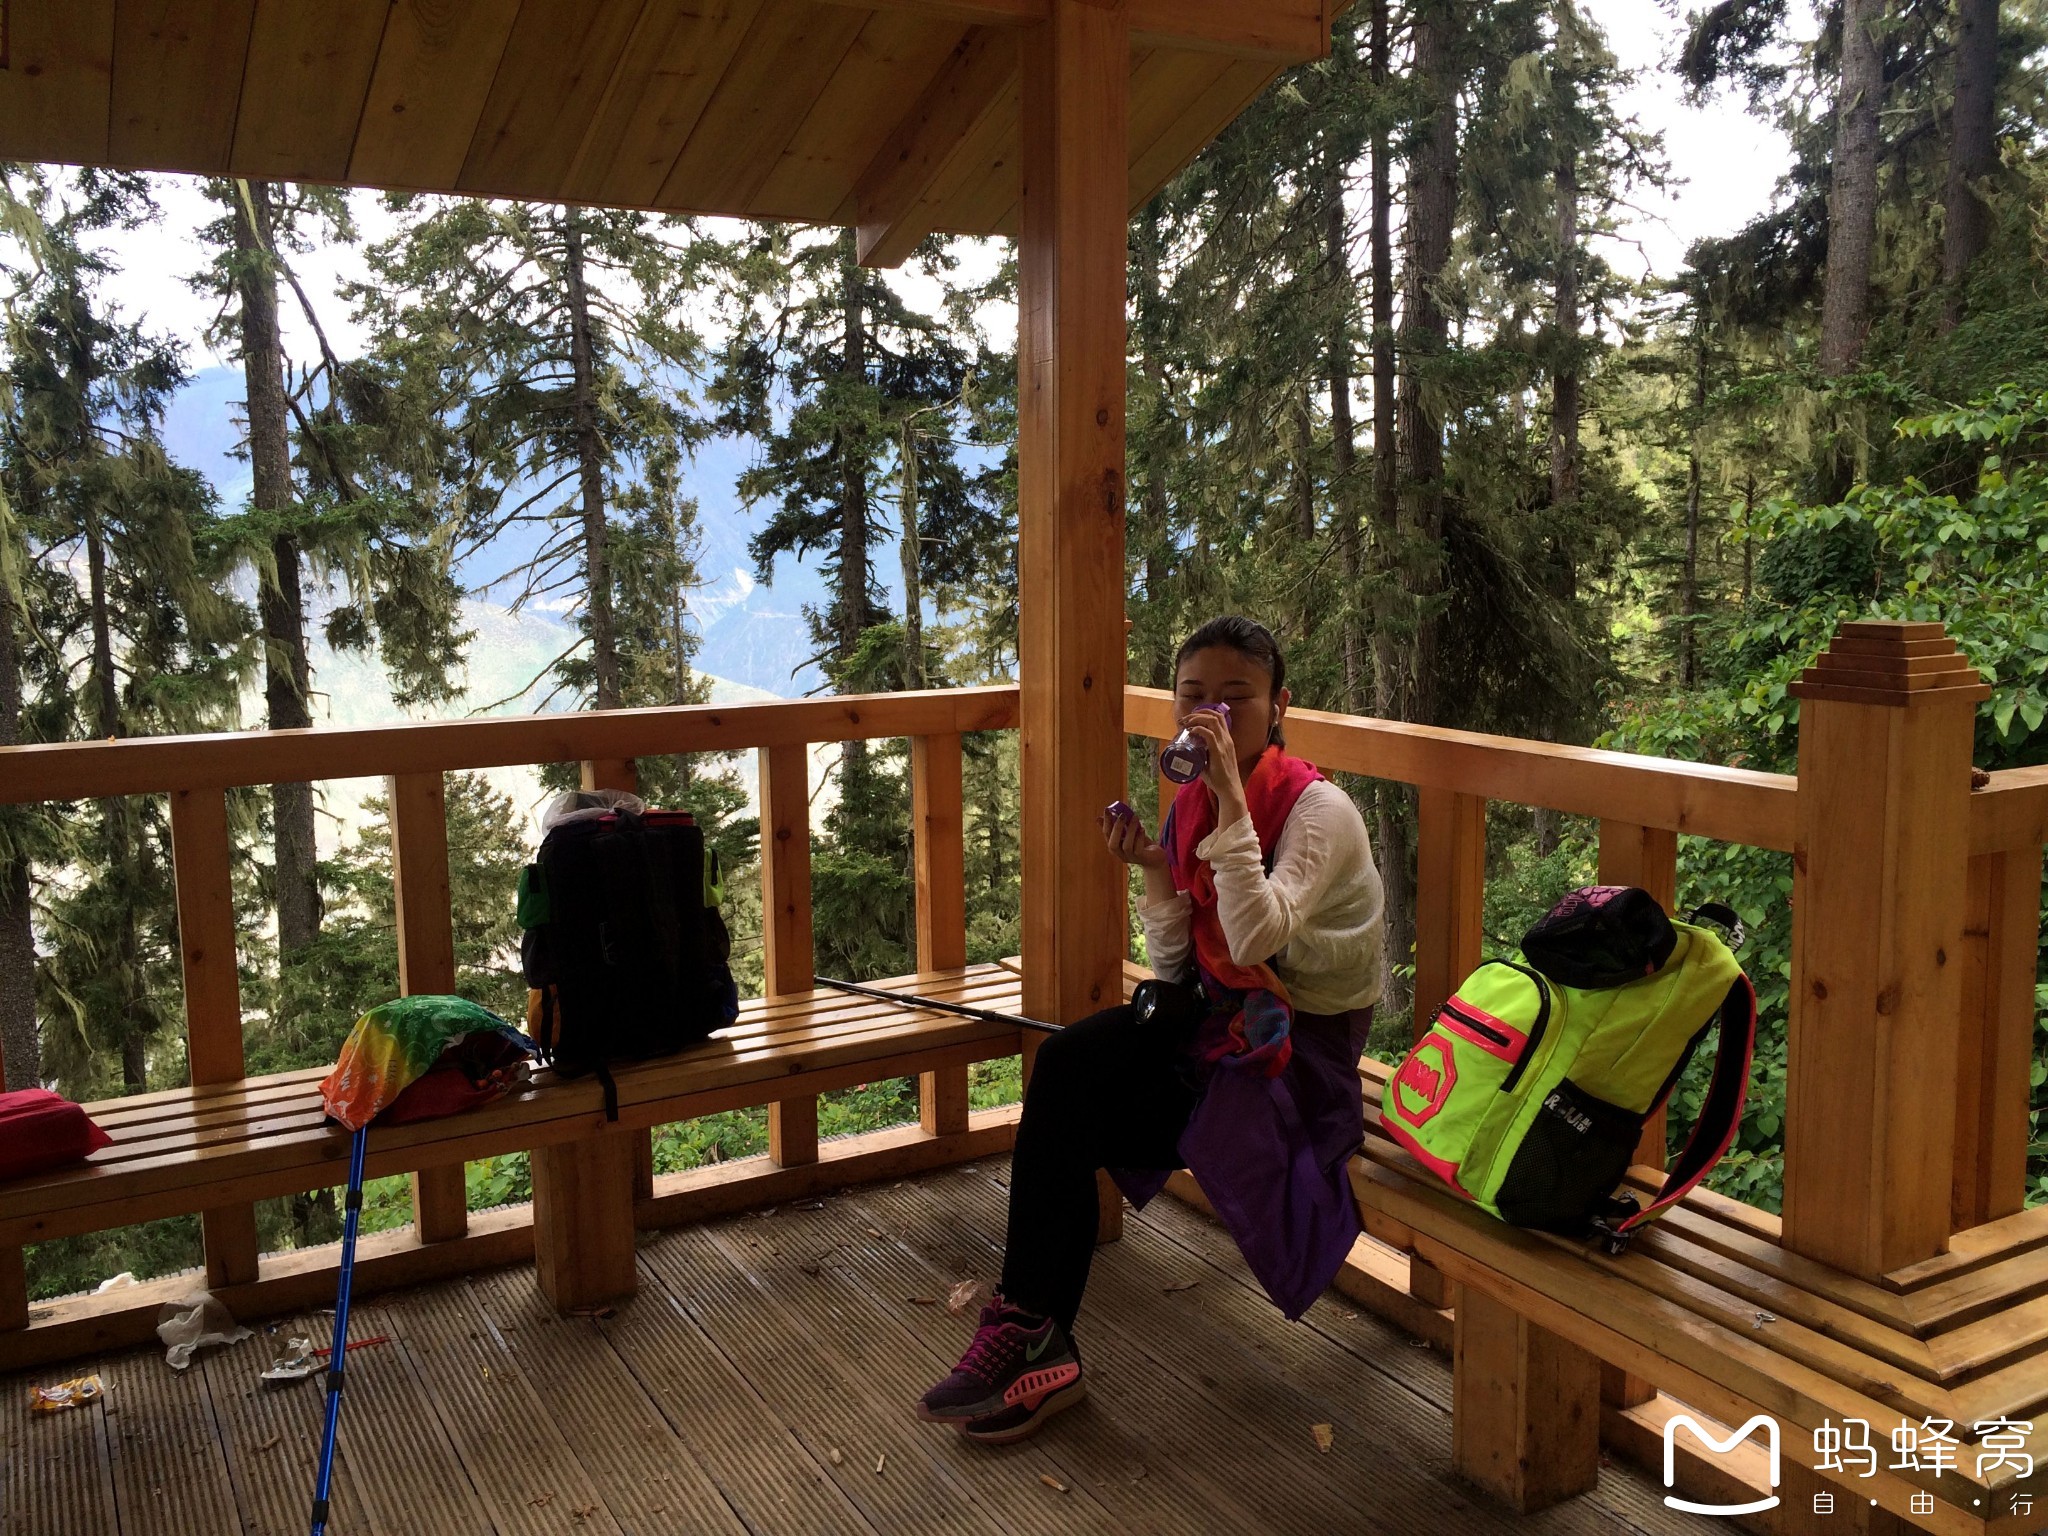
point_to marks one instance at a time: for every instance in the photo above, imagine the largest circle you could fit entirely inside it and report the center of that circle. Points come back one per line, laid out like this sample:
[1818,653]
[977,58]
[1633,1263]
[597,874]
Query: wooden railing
[195,772]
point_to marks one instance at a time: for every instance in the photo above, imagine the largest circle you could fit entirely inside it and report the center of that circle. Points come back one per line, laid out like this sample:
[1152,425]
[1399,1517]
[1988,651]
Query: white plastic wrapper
[197,1322]
[582,804]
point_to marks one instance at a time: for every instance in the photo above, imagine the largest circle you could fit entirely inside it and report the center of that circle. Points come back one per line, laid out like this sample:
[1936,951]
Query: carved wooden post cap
[1891,662]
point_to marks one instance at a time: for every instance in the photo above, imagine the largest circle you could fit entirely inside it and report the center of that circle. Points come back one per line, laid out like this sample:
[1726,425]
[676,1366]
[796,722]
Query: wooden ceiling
[899,116]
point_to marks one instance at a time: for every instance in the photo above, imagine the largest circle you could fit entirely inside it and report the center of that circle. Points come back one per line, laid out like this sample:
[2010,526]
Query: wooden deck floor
[759,1383]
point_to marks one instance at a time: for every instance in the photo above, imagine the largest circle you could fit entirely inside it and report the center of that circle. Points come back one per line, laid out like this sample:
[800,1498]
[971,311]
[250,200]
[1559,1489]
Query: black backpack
[624,951]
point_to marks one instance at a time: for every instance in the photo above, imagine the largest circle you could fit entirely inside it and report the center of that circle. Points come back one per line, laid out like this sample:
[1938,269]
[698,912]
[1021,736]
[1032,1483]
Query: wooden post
[583,1220]
[2001,939]
[1881,862]
[1072,223]
[203,858]
[623,773]
[1070,487]
[426,961]
[1525,1406]
[938,827]
[1450,896]
[786,924]
[1646,857]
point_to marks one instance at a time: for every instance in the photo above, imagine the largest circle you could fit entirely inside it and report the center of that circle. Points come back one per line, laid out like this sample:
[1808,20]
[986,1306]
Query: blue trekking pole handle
[337,1358]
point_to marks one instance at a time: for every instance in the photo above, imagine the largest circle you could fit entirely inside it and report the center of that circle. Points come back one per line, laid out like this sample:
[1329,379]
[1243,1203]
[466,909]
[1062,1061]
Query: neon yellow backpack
[1528,1093]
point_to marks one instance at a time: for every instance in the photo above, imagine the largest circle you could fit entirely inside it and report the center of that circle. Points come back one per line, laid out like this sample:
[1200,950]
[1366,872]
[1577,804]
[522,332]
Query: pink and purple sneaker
[1019,1371]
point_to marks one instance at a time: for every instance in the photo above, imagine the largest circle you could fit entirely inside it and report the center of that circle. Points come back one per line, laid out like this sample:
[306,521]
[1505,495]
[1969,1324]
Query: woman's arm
[1322,843]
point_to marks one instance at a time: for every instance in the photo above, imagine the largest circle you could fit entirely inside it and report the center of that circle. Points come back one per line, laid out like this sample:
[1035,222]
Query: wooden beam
[786,869]
[2002,936]
[426,960]
[202,857]
[1730,805]
[1070,480]
[140,765]
[1450,896]
[1880,877]
[889,196]
[938,830]
[1285,31]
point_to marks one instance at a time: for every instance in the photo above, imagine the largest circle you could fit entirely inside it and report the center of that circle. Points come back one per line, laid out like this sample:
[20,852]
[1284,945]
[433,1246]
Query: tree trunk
[1748,541]
[1972,150]
[1344,508]
[1432,203]
[287,674]
[118,816]
[1150,460]
[590,465]
[1852,197]
[1564,388]
[20,1047]
[1689,587]
[1390,695]
[913,584]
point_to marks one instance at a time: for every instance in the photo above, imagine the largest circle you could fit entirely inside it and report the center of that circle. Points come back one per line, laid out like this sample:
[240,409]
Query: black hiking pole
[913,1000]
[336,1359]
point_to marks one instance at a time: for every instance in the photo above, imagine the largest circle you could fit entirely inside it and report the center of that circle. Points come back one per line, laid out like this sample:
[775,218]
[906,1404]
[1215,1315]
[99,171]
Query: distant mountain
[753,633]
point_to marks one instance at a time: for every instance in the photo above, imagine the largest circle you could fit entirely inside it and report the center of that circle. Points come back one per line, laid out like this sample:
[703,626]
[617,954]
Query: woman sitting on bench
[1263,917]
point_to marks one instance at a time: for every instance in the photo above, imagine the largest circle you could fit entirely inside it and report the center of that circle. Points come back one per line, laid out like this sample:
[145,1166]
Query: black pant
[1105,1093]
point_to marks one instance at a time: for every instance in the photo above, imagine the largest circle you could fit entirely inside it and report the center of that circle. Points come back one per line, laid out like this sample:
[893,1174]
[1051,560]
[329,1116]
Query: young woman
[1263,917]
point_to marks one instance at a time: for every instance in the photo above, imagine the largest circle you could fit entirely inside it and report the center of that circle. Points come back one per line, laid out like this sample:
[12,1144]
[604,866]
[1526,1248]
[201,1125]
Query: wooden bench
[227,1144]
[1708,1305]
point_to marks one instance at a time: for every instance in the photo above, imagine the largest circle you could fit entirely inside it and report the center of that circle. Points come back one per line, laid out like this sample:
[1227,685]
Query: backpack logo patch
[1422,1085]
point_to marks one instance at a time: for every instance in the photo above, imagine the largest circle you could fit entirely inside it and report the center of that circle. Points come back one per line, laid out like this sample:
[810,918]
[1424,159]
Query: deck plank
[651,1479]
[763,1470]
[817,1397]
[526,1477]
[170,1471]
[54,1471]
[1145,1486]
[793,1261]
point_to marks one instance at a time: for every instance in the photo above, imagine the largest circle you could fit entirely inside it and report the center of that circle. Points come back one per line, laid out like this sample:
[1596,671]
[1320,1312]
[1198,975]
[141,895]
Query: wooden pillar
[2001,940]
[1881,862]
[583,1220]
[938,830]
[202,857]
[1450,896]
[1525,1406]
[786,924]
[426,961]
[1070,490]
[1074,138]
[1646,857]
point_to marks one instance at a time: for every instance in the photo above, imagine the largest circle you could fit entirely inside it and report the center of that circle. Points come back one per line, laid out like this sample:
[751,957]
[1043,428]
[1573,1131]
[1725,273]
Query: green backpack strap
[1720,1116]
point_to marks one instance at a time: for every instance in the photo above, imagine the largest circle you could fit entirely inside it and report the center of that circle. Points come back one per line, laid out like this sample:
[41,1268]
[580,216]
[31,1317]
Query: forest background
[1394,390]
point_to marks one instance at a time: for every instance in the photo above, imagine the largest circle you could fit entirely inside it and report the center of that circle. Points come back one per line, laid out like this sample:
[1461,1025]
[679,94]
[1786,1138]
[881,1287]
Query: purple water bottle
[1184,758]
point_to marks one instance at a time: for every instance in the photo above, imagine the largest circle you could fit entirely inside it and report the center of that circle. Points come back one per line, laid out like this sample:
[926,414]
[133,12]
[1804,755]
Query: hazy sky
[1724,164]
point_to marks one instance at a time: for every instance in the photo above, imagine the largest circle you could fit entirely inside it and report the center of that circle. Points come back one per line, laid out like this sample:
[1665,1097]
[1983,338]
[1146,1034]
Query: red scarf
[1251,1016]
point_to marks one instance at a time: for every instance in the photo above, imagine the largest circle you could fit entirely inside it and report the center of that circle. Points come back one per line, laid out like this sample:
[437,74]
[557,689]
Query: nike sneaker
[1019,1370]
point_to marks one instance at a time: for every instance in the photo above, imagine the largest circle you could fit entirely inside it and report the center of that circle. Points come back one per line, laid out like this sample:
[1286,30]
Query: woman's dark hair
[1250,639]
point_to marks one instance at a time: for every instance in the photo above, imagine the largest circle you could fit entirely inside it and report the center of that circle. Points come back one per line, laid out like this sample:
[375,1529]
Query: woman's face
[1222,674]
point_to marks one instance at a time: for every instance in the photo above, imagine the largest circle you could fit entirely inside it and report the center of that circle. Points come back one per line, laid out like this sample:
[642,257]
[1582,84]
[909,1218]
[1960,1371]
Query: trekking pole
[913,1000]
[337,1359]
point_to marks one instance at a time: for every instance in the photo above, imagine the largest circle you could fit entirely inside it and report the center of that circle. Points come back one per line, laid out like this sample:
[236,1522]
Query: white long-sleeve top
[1320,915]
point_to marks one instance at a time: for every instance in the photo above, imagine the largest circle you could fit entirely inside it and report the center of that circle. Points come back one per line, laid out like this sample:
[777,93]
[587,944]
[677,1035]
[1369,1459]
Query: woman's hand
[1222,777]
[1127,840]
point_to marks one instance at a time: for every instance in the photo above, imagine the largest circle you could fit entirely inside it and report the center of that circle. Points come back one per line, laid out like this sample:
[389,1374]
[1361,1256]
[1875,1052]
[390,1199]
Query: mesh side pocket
[1573,1156]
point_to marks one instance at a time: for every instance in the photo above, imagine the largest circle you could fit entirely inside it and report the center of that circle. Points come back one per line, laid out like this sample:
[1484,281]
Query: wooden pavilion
[1904,1285]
